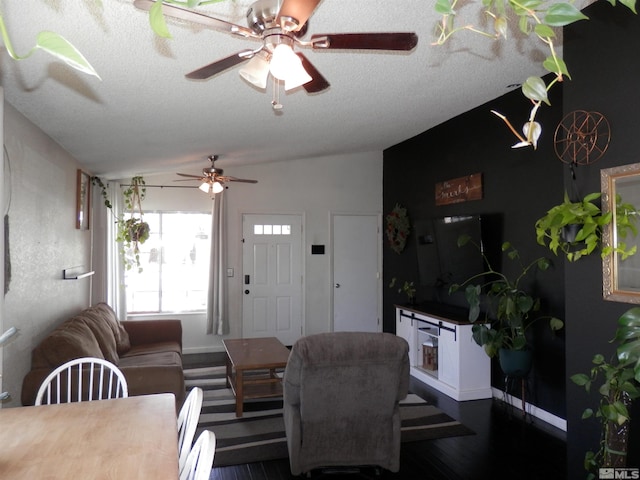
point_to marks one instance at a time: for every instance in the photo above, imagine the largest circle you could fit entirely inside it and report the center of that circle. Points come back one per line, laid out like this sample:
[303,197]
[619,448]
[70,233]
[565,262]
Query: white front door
[272,277]
[356,273]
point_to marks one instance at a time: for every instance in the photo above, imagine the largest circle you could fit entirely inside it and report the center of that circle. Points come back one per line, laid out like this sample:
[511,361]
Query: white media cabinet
[463,369]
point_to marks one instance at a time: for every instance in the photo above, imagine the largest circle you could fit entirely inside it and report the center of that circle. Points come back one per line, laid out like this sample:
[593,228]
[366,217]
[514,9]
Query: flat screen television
[440,261]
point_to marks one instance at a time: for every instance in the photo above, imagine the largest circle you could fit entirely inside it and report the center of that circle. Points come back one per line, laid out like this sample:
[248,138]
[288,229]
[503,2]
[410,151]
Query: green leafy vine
[535,17]
[53,44]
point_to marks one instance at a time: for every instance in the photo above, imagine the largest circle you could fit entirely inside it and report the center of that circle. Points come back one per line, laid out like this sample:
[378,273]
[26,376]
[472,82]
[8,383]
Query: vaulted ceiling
[143,116]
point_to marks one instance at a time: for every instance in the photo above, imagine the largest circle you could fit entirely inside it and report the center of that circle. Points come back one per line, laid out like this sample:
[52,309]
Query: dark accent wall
[602,56]
[519,185]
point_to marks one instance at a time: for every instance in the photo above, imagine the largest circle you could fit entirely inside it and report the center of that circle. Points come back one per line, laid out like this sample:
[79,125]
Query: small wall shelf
[67,275]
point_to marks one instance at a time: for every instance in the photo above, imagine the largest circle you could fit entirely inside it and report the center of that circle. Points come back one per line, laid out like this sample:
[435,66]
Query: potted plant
[620,386]
[408,288]
[575,228]
[132,229]
[509,309]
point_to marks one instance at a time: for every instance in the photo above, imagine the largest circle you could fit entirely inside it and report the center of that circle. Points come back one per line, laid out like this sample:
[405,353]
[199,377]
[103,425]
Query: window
[175,265]
[272,229]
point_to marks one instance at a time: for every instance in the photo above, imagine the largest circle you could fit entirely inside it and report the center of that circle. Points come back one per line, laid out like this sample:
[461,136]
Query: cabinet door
[405,329]
[448,364]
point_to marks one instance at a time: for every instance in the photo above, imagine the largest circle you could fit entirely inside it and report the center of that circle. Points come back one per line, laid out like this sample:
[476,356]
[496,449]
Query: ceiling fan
[279,24]
[212,178]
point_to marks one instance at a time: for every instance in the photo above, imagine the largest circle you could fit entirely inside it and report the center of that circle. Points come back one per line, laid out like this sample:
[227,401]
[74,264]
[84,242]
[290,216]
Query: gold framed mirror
[620,277]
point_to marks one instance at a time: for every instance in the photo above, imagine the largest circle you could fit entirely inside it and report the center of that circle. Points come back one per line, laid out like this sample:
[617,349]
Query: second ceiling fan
[212,179]
[279,24]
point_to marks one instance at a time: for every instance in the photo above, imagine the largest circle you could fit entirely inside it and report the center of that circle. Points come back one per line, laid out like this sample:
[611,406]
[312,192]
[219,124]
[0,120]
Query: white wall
[314,188]
[43,241]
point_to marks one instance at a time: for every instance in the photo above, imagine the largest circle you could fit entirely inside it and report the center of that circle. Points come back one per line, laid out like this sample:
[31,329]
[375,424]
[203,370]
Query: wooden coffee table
[261,358]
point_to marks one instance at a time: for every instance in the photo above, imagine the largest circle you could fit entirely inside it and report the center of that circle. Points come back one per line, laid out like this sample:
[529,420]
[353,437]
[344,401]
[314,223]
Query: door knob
[337,285]
[246,292]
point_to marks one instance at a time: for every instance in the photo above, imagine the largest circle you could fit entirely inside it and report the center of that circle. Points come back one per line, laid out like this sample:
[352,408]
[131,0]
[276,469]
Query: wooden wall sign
[459,190]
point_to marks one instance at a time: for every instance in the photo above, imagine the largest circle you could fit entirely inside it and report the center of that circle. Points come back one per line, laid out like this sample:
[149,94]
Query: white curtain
[216,304]
[115,277]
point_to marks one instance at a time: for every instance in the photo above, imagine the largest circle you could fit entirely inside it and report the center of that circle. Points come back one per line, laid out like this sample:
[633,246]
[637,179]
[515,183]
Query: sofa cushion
[154,373]
[122,337]
[72,339]
[151,348]
[102,331]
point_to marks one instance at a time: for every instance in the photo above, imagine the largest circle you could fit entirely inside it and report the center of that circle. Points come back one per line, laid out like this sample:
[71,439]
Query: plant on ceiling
[53,44]
[620,386]
[132,231]
[509,310]
[575,228]
[156,16]
[534,17]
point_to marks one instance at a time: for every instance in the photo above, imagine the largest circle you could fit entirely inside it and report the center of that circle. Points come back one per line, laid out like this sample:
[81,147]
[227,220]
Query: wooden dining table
[126,438]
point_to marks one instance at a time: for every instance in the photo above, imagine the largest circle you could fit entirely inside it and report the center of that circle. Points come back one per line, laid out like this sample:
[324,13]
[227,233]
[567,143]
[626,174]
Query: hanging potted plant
[575,228]
[620,386]
[132,229]
[509,310]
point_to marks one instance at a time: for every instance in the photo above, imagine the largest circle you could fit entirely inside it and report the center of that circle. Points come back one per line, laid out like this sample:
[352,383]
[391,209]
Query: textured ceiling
[145,117]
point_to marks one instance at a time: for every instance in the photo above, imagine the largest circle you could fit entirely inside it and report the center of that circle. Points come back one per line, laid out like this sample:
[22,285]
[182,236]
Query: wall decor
[582,137]
[398,228]
[620,281]
[83,198]
[459,190]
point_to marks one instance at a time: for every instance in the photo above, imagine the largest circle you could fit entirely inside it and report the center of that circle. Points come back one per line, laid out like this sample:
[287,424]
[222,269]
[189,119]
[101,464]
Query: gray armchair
[341,394]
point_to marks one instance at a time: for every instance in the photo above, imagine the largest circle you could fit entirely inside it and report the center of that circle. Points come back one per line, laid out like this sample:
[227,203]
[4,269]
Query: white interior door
[356,273]
[272,277]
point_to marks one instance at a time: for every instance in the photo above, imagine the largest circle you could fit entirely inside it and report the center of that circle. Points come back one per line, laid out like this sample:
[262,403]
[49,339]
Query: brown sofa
[149,352]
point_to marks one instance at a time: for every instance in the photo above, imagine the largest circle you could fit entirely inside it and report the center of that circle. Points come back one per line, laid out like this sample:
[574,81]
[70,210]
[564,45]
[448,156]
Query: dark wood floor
[504,447]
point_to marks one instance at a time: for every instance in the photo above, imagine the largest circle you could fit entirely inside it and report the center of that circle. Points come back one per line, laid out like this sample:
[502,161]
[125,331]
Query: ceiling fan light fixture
[286,65]
[205,187]
[217,187]
[256,72]
[297,77]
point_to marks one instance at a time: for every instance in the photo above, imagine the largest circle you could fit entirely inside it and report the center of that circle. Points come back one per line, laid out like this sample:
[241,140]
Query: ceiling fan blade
[198,177]
[235,179]
[318,82]
[300,10]
[365,41]
[216,67]
[196,17]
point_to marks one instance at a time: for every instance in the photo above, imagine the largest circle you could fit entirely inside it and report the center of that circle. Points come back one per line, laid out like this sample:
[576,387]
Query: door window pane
[272,229]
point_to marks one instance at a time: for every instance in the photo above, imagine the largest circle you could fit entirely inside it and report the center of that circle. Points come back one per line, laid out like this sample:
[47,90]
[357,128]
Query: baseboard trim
[532,410]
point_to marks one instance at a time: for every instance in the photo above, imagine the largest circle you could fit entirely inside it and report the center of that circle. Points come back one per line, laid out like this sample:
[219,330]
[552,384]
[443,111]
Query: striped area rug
[259,434]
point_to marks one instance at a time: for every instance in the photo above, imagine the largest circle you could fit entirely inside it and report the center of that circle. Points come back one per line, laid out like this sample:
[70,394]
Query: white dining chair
[188,422]
[200,459]
[80,379]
